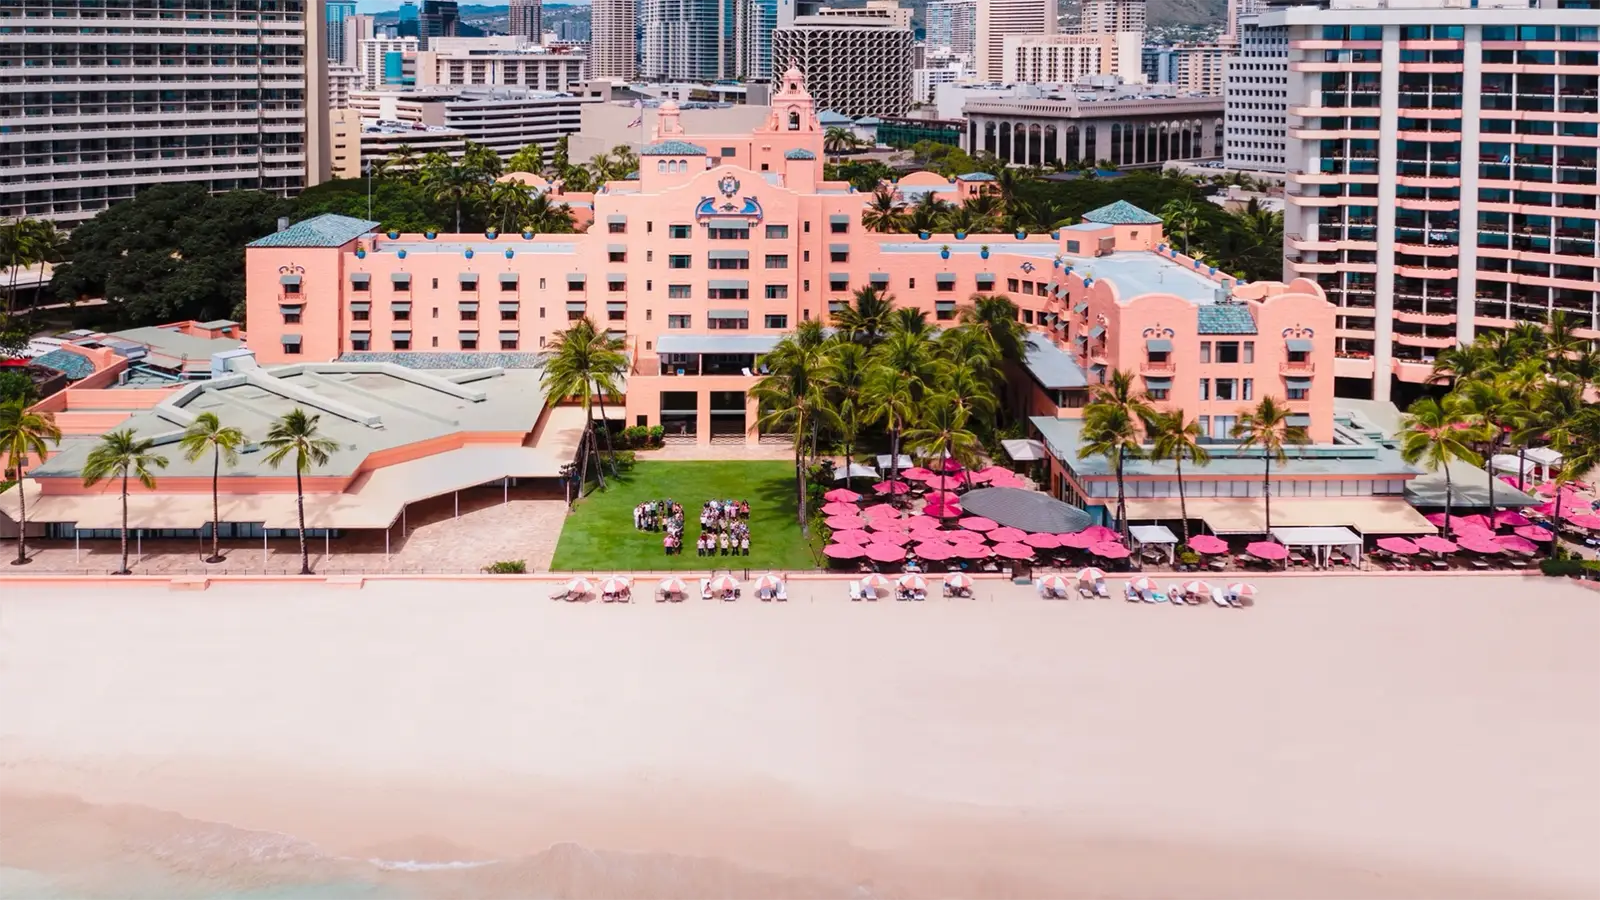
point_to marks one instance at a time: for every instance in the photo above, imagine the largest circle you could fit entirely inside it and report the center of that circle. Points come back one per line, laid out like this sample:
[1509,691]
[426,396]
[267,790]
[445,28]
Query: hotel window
[944,310]
[1227,351]
[945,282]
[291,285]
[1072,247]
[728,320]
[678,232]
[1027,287]
[1205,389]
[679,292]
[728,293]
[576,283]
[777,321]
[1027,317]
[360,281]
[291,314]
[1158,393]
[291,344]
[508,282]
[1227,389]
[727,233]
[508,312]
[1205,353]
[1249,353]
[838,282]
[468,311]
[1013,285]
[678,261]
[728,151]
[616,256]
[839,253]
[777,232]
[718,261]
[401,311]
[508,340]
[675,320]
[777,261]
[401,340]
[838,224]
[777,292]
[616,312]
[469,340]
[360,340]
[1249,389]
[616,284]
[1298,393]
[614,226]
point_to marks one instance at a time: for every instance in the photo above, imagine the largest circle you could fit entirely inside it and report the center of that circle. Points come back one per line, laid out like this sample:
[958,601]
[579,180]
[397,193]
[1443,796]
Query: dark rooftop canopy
[1028,510]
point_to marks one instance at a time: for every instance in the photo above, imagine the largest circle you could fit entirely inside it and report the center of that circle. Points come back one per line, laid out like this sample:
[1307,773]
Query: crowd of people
[724,526]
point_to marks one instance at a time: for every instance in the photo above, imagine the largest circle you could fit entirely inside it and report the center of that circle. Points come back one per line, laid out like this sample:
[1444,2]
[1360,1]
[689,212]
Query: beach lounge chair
[1085,592]
[783,592]
[855,590]
[560,593]
[705,589]
[1100,589]
[1219,598]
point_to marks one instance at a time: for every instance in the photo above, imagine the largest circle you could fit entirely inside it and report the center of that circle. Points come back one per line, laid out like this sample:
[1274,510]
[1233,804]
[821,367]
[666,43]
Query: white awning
[1368,515]
[1153,534]
[1316,537]
[1024,450]
[855,470]
[1534,456]
[885,459]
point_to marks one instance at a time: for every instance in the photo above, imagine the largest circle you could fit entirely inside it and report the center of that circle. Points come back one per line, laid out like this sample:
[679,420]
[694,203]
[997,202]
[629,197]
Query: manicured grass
[599,533]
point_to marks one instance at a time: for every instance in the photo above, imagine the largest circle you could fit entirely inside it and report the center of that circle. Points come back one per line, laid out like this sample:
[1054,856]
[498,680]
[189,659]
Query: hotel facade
[1442,170]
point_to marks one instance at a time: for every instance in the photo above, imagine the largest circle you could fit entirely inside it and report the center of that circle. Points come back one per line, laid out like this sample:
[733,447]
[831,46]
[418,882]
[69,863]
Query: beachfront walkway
[435,540]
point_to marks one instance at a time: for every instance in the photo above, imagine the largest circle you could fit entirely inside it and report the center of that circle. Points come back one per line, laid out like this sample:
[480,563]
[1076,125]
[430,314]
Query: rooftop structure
[502,119]
[500,61]
[1066,58]
[858,62]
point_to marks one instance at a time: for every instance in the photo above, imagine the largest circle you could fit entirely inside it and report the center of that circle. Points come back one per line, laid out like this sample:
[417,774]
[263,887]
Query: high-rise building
[381,60]
[1441,171]
[1256,81]
[952,25]
[503,119]
[1110,16]
[525,19]
[613,40]
[336,14]
[1065,58]
[439,18]
[91,119]
[999,19]
[687,40]
[1195,67]
[356,29]
[857,62]
[409,22]
[500,61]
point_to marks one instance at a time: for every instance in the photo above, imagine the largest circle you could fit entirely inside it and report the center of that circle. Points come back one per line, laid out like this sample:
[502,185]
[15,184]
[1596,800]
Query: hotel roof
[1121,213]
[326,230]
[1226,318]
[1051,366]
[829,117]
[672,148]
[799,153]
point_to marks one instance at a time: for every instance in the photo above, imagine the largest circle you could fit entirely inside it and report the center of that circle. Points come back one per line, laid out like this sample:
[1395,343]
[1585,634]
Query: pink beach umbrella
[1479,542]
[917,473]
[1005,534]
[1461,528]
[851,536]
[1042,541]
[952,465]
[978,523]
[937,551]
[1586,520]
[1397,545]
[943,510]
[1007,480]
[989,473]
[1535,533]
[1548,489]
[1268,550]
[841,495]
[1078,541]
[1517,544]
[890,487]
[1102,533]
[1477,521]
[1511,481]
[839,508]
[1435,544]
[840,523]
[959,581]
[892,538]
[1091,573]
[844,551]
[876,581]
[1436,519]
[942,497]
[884,523]
[921,525]
[885,553]
[969,550]
[883,511]
[1208,544]
[1109,550]
[965,537]
[1512,519]
[944,482]
[1013,550]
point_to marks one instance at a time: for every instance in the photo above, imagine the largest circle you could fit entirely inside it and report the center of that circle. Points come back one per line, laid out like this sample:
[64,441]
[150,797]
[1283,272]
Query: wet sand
[1346,737]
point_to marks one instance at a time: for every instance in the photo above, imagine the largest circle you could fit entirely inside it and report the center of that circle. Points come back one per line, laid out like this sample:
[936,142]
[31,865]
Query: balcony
[1162,369]
[1301,369]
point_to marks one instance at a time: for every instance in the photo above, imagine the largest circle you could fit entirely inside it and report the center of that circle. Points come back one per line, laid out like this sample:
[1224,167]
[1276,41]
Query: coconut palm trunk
[22,519]
[611,452]
[300,511]
[1266,491]
[216,502]
[1122,499]
[1447,492]
[124,570]
[1183,502]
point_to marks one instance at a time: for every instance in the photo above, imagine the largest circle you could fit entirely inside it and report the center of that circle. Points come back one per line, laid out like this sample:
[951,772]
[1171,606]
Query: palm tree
[1007,182]
[986,211]
[794,395]
[1434,433]
[1110,432]
[584,362]
[941,429]
[1181,218]
[836,141]
[404,160]
[865,320]
[1266,428]
[888,398]
[486,163]
[208,433]
[545,216]
[1579,444]
[1039,215]
[1174,437]
[296,433]
[997,317]
[24,434]
[928,215]
[886,213]
[455,184]
[1491,406]
[909,320]
[23,243]
[121,455]
[844,374]
[508,204]
[529,159]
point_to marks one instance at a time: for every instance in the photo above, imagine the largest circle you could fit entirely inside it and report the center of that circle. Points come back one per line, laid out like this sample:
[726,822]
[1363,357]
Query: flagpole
[369,190]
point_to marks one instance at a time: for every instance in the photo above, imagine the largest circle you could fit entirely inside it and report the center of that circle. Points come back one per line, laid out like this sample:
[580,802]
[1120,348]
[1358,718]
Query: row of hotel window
[1242,389]
[838,223]
[944,282]
[615,312]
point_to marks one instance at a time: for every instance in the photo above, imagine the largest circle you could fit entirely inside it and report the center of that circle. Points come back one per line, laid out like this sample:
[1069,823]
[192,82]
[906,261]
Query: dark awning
[466,335]
[1158,384]
[944,306]
[1158,345]
[1297,383]
[1097,331]
[879,278]
[729,314]
[577,306]
[508,306]
[1299,420]
[616,219]
[292,340]
[616,306]
[400,335]
[400,277]
[468,277]
[289,279]
[361,306]
[508,335]
[945,277]
[984,276]
[1298,345]
[360,277]
[839,219]
[616,248]
[467,306]
[725,284]
[730,254]
[615,278]
[838,248]
[576,278]
[508,278]
[400,306]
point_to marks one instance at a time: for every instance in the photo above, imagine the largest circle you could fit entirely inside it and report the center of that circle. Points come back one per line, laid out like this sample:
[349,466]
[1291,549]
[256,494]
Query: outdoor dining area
[956,520]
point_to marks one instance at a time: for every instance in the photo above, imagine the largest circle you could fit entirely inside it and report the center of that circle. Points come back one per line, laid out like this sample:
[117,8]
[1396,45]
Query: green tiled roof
[75,366]
[672,148]
[1226,318]
[829,117]
[326,230]
[976,176]
[799,153]
[1121,213]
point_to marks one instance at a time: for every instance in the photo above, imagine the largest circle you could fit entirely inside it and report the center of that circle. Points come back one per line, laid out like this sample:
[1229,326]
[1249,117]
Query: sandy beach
[1346,737]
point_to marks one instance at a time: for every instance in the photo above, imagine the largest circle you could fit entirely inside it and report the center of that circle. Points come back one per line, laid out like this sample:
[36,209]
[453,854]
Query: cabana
[854,470]
[1322,541]
[905,462]
[1542,459]
[1157,536]
[1025,450]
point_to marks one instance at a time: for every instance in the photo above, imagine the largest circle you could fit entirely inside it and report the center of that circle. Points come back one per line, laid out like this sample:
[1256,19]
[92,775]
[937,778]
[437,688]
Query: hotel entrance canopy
[1247,516]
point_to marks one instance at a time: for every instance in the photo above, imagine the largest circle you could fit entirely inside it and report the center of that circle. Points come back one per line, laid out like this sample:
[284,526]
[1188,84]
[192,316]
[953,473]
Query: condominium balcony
[1420,272]
[1423,340]
[1163,368]
[1302,368]
[1424,318]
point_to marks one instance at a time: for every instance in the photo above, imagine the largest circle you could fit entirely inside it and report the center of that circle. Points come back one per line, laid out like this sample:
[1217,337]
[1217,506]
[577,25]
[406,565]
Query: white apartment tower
[525,19]
[613,42]
[857,62]
[999,19]
[98,101]
[1441,160]
[1111,16]
[1255,85]
[952,25]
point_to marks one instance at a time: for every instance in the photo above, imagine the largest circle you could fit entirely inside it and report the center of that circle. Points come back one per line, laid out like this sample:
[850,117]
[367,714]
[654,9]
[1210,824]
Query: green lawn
[599,533]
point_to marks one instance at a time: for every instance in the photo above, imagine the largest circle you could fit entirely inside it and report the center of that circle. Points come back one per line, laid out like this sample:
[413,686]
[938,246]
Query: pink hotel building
[724,243]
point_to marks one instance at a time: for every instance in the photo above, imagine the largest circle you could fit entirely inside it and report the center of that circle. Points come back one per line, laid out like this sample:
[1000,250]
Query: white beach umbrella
[1143,583]
[1240,589]
[1054,583]
[1198,587]
[616,584]
[1091,574]
[875,581]
[580,585]
[724,583]
[913,582]
[769,582]
[959,580]
[673,585]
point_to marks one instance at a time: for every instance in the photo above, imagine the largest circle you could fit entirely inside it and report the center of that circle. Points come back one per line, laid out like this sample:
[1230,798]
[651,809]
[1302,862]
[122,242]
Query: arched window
[794,117]
[661,165]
